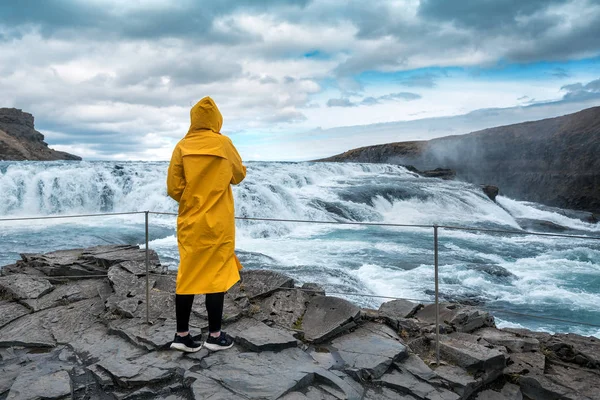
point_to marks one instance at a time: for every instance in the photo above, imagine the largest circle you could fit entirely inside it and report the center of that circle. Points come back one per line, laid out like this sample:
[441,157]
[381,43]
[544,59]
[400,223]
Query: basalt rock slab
[252,374]
[284,308]
[27,331]
[256,336]
[19,287]
[461,318]
[151,337]
[70,292]
[327,316]
[369,351]
[400,308]
[407,383]
[259,283]
[525,363]
[414,365]
[512,342]
[34,386]
[471,356]
[9,311]
[574,349]
[458,380]
[203,387]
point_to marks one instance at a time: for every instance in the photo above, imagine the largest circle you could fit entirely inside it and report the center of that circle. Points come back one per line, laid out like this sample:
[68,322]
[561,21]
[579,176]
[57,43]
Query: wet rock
[284,308]
[369,351]
[465,299]
[328,316]
[540,225]
[20,287]
[405,382]
[400,308]
[493,270]
[471,356]
[259,283]
[9,311]
[256,336]
[461,318]
[490,191]
[442,173]
[512,342]
[56,385]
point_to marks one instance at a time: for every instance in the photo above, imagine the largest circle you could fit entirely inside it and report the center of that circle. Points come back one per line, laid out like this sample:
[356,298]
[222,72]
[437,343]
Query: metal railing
[435,228]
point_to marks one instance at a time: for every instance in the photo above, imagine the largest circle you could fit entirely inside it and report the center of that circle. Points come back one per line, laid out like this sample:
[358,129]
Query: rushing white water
[553,277]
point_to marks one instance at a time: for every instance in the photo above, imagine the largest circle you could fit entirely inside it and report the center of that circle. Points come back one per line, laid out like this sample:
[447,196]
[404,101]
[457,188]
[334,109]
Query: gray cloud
[579,92]
[426,80]
[560,73]
[371,101]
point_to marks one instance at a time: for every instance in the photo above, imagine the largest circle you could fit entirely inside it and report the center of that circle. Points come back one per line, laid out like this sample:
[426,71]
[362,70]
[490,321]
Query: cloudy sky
[297,79]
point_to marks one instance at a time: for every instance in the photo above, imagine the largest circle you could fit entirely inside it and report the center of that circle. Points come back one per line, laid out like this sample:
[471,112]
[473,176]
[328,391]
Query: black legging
[214,308]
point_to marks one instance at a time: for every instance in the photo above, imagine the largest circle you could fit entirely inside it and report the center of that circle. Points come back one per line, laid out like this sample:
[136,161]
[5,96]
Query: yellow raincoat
[203,167]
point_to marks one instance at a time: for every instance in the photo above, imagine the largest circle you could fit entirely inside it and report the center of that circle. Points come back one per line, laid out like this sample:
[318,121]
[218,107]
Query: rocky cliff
[20,141]
[553,161]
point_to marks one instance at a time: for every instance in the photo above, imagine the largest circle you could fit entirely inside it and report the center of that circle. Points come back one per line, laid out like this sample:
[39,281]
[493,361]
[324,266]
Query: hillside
[20,141]
[553,161]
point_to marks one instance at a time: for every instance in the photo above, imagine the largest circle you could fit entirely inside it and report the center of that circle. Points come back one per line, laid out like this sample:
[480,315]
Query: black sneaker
[186,344]
[223,342]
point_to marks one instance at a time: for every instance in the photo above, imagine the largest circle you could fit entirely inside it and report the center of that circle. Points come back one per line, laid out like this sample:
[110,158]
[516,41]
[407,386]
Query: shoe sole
[184,348]
[216,347]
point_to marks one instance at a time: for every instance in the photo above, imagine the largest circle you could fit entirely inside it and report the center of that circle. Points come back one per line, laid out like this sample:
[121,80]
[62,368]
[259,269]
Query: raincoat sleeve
[238,169]
[176,176]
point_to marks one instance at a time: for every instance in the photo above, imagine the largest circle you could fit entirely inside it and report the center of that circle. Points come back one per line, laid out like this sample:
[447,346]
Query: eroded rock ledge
[86,338]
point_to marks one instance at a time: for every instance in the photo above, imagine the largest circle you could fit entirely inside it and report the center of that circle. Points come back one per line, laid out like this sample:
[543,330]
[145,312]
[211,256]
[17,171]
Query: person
[203,167]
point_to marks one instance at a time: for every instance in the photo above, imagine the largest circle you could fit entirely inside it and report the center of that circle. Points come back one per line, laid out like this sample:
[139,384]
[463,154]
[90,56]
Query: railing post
[147,272]
[437,302]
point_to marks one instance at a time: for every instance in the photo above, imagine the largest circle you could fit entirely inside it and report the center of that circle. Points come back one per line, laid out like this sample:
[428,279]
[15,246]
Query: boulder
[327,316]
[490,191]
[19,287]
[369,351]
[492,270]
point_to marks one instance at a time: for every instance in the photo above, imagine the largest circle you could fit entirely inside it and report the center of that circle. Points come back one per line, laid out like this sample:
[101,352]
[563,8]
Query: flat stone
[8,374]
[369,351]
[259,283]
[525,363]
[327,316]
[70,292]
[461,318]
[10,310]
[203,387]
[151,337]
[252,374]
[512,392]
[68,322]
[284,308]
[103,378]
[20,287]
[471,356]
[384,393]
[56,385]
[409,384]
[400,308]
[414,365]
[96,344]
[256,336]
[131,374]
[490,395]
[458,380]
[27,331]
[512,342]
[581,383]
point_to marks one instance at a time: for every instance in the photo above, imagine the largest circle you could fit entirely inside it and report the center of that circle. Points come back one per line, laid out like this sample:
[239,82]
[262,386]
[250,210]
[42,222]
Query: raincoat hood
[205,116]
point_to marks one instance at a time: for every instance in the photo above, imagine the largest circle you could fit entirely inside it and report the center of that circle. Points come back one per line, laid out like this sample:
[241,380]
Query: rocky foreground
[85,338]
